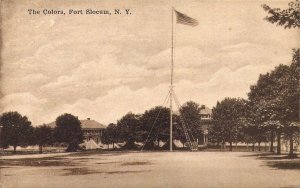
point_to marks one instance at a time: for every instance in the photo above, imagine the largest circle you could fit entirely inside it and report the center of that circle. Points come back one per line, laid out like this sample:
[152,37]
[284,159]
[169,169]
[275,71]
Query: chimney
[88,118]
[202,106]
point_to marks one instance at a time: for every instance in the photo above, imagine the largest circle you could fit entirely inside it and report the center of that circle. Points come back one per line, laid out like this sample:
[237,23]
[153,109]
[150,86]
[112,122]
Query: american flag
[184,19]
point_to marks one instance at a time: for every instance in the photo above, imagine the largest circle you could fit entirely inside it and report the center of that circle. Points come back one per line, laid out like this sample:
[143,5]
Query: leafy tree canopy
[128,127]
[288,18]
[16,130]
[68,129]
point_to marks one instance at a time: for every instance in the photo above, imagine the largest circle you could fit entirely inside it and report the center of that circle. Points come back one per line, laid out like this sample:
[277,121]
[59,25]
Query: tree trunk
[278,142]
[223,144]
[40,149]
[272,141]
[230,142]
[265,146]
[258,146]
[253,144]
[15,149]
[108,146]
[73,147]
[291,154]
[113,145]
[247,145]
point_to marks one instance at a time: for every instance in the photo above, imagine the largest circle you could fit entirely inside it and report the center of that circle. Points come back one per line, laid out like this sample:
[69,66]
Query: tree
[155,126]
[110,135]
[289,94]
[127,128]
[16,129]
[216,134]
[226,116]
[266,100]
[288,18]
[272,126]
[251,131]
[275,98]
[68,130]
[190,113]
[43,136]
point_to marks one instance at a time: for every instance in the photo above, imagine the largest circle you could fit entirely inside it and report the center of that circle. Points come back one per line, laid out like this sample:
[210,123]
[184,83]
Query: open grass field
[150,169]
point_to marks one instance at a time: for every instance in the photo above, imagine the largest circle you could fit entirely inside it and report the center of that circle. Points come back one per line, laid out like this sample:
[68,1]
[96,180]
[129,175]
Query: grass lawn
[150,169]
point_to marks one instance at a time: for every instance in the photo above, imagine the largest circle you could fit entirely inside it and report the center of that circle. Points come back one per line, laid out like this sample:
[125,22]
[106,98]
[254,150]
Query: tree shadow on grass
[128,171]
[102,152]
[277,157]
[105,163]
[37,162]
[258,154]
[79,171]
[285,165]
[136,163]
[269,156]
[86,171]
[274,161]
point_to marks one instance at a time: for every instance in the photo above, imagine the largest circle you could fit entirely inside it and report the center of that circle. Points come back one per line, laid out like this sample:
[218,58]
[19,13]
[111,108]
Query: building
[206,121]
[91,129]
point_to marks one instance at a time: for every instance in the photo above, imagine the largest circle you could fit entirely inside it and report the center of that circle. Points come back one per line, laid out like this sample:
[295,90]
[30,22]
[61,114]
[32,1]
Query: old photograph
[150,94]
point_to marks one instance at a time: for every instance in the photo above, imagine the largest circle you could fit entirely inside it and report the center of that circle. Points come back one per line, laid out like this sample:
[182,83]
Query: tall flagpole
[171,89]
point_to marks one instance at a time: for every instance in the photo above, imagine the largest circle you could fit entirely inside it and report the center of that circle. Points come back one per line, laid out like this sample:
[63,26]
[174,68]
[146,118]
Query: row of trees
[153,126]
[272,109]
[18,131]
[274,101]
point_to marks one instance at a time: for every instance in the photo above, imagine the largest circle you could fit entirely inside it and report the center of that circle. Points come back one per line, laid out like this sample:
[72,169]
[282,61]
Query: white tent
[100,145]
[110,146]
[140,144]
[91,144]
[35,147]
[178,143]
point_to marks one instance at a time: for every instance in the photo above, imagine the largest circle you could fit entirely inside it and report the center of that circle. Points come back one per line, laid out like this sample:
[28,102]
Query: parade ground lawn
[149,169]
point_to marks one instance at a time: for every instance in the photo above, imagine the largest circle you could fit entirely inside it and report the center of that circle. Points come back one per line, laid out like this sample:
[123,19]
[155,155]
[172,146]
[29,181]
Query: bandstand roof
[85,124]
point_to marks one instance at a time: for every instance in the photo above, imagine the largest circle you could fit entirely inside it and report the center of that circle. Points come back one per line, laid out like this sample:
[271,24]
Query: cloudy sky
[102,66]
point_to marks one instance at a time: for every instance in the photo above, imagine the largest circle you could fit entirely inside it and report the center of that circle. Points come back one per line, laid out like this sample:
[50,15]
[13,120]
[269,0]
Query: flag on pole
[184,19]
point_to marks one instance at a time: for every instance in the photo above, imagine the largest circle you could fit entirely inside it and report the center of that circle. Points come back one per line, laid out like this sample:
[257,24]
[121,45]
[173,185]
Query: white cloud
[26,104]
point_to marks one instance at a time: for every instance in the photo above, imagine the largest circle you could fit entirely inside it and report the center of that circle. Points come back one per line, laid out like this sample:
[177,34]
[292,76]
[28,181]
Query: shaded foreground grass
[38,162]
[285,165]
[278,161]
[272,160]
[76,163]
[158,169]
[87,171]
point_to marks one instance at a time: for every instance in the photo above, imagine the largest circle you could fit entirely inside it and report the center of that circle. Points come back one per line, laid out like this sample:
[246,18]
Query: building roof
[91,124]
[205,110]
[85,124]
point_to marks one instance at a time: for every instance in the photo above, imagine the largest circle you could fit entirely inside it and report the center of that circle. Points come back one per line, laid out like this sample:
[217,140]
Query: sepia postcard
[141,93]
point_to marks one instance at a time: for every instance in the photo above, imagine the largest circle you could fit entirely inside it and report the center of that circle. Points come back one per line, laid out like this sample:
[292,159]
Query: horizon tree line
[17,130]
